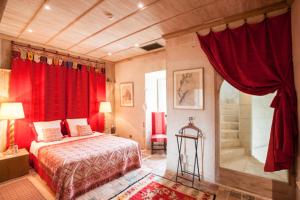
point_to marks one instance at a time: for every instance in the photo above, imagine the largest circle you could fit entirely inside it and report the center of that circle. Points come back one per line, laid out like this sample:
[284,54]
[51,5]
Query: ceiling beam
[15,39]
[270,8]
[147,53]
[152,25]
[118,21]
[2,8]
[227,20]
[32,17]
[74,21]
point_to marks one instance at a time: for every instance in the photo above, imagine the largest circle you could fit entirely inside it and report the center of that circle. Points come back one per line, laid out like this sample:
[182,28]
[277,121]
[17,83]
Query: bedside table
[13,166]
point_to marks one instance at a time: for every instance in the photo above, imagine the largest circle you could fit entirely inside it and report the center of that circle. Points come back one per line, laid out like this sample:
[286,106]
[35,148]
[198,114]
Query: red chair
[158,137]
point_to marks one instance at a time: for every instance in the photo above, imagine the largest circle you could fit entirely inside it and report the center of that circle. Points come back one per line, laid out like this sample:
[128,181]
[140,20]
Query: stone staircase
[230,143]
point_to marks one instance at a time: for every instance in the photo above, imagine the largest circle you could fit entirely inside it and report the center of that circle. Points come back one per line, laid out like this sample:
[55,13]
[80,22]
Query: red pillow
[64,128]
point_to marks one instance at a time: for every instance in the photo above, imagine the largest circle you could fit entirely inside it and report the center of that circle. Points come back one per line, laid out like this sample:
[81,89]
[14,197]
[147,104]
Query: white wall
[184,52]
[110,96]
[5,56]
[181,53]
[5,53]
[4,84]
[245,121]
[262,115]
[229,94]
[130,120]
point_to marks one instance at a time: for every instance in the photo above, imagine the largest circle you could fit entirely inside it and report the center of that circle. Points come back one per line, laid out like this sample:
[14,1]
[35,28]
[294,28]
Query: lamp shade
[105,107]
[11,111]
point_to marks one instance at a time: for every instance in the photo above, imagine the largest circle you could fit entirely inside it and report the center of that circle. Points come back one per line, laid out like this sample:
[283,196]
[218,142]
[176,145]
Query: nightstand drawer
[14,166]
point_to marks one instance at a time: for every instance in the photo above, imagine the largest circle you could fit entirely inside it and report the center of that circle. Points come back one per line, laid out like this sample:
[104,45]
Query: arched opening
[245,123]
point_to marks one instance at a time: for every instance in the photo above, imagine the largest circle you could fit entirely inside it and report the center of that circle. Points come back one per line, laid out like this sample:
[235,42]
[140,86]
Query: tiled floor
[251,165]
[156,164]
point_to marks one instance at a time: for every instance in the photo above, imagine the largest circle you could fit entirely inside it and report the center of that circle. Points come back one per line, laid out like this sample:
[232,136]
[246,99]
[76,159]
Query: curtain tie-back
[276,100]
[282,90]
[283,110]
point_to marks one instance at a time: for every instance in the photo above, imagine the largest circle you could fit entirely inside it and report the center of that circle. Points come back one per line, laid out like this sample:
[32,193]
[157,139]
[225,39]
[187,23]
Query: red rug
[153,187]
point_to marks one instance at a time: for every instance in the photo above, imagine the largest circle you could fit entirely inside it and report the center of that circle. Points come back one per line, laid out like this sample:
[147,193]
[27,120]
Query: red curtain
[257,59]
[77,93]
[55,91]
[97,94]
[50,92]
[21,91]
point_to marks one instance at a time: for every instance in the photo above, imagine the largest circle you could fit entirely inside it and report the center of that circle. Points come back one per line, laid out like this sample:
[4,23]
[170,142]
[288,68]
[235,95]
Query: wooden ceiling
[85,26]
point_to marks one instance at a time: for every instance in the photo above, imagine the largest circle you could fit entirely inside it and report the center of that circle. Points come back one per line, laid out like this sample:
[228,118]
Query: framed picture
[126,94]
[188,89]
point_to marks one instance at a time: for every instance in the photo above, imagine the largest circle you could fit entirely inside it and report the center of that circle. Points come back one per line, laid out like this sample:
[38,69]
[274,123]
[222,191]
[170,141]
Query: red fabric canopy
[50,92]
[257,59]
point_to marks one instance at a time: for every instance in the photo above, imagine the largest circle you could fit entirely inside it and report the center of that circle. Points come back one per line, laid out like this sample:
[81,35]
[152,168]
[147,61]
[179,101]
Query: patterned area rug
[153,187]
[21,189]
[114,187]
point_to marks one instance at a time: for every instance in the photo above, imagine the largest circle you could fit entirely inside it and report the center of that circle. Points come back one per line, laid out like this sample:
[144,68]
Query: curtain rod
[55,52]
[265,15]
[226,20]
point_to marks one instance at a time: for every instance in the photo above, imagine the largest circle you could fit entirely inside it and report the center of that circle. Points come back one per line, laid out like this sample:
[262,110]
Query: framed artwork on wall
[188,89]
[126,94]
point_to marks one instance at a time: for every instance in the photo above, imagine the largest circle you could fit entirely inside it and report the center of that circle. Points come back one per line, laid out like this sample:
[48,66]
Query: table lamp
[11,111]
[105,107]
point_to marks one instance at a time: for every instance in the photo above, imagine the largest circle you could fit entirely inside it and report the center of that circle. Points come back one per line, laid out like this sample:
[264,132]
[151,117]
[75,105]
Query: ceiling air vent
[150,47]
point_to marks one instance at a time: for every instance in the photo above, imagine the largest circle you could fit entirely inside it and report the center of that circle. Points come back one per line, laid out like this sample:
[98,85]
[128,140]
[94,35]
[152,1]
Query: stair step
[234,112]
[229,106]
[228,133]
[230,143]
[233,153]
[230,125]
[229,118]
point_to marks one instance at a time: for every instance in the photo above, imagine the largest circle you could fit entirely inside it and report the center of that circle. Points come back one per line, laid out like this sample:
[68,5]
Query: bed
[74,165]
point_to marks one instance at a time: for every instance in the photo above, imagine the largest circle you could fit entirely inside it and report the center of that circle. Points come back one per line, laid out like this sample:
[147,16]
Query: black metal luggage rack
[195,137]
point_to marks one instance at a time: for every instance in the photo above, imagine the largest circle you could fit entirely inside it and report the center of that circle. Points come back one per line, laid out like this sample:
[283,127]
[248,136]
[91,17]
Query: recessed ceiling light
[109,15]
[136,45]
[47,7]
[30,30]
[141,5]
[109,53]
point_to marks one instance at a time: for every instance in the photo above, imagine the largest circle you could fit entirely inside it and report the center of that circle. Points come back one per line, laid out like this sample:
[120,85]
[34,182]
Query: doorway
[244,124]
[155,100]
[245,131]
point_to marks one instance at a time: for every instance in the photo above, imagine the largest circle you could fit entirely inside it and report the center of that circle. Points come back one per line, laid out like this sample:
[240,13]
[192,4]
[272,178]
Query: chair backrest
[158,123]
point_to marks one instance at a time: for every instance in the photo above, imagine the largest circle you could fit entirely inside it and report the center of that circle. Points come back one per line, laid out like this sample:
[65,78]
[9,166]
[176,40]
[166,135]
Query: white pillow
[72,124]
[39,126]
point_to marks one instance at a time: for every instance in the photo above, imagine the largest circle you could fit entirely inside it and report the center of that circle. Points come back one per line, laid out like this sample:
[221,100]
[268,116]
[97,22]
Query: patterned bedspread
[77,166]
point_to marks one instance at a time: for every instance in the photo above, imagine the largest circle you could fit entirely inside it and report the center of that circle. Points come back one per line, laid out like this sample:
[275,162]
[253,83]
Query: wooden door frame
[247,182]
